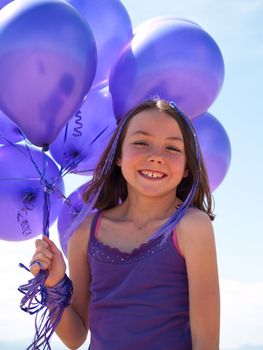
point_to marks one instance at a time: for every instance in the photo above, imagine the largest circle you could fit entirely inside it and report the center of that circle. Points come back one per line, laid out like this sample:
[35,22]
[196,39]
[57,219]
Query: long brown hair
[113,186]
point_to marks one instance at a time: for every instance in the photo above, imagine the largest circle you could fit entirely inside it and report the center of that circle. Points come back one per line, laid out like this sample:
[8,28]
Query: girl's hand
[51,259]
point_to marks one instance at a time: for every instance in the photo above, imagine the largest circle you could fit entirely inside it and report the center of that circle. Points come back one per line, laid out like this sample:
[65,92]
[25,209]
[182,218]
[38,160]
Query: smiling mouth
[148,174]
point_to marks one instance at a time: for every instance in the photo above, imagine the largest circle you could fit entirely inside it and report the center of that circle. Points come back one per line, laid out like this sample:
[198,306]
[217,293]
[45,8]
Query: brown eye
[171,148]
[140,143]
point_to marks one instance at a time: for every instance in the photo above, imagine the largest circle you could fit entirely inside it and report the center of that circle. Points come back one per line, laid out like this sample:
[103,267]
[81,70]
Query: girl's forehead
[153,120]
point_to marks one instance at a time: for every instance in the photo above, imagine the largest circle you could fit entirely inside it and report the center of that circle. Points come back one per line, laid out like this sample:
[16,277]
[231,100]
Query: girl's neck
[141,210]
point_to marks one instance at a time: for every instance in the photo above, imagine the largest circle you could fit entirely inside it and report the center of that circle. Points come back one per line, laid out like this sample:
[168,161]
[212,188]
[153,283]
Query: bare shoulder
[196,240]
[195,229]
[194,216]
[80,237]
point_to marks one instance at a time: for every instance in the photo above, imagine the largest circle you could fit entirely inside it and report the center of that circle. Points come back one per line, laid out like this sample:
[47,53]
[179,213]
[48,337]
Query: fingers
[42,257]
[54,249]
[41,242]
[36,266]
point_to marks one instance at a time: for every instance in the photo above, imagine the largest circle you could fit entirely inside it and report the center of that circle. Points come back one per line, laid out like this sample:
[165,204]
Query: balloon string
[99,135]
[63,148]
[47,304]
[74,162]
[33,161]
[46,185]
[47,189]
[6,140]
[46,213]
[41,177]
[18,149]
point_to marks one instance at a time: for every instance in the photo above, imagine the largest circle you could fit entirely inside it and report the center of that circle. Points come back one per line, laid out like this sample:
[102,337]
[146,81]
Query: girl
[143,267]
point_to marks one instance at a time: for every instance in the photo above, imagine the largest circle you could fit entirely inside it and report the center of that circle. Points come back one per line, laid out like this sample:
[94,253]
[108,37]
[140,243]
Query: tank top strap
[175,242]
[94,224]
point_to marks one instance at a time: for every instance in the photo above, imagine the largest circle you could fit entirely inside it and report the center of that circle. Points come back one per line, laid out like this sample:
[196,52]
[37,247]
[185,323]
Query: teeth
[151,174]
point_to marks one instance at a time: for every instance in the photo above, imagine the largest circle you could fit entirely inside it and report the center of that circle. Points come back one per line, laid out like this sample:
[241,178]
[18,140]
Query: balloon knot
[45,148]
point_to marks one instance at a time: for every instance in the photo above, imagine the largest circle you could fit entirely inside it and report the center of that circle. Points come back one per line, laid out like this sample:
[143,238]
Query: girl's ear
[186,172]
[118,161]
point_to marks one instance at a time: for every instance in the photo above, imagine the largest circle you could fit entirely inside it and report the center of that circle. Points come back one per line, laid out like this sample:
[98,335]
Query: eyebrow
[145,133]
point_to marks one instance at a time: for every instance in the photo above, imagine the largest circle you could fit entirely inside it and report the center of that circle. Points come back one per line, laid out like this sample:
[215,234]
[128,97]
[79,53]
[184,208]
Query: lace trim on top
[105,252]
[110,254]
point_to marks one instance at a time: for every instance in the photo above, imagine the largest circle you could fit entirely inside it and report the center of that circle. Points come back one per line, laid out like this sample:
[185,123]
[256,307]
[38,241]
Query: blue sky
[236,26]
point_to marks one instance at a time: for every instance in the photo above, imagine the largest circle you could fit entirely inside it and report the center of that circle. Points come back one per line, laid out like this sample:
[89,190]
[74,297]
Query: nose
[155,159]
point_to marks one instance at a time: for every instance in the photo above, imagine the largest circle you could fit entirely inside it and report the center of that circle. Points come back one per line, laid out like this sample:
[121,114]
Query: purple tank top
[139,300]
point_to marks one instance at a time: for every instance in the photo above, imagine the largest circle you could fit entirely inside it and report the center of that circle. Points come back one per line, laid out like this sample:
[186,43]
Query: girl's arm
[73,327]
[196,240]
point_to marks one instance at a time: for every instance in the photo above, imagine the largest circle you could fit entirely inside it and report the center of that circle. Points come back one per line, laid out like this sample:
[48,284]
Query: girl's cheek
[135,152]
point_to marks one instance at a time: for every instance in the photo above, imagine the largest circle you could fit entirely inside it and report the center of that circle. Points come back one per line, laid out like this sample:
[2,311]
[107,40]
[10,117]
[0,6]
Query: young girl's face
[153,160]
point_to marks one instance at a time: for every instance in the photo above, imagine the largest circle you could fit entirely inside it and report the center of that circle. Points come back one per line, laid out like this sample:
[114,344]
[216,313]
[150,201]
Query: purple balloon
[71,208]
[112,29]
[88,134]
[9,132]
[47,65]
[173,59]
[21,193]
[215,146]
[153,20]
[4,2]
